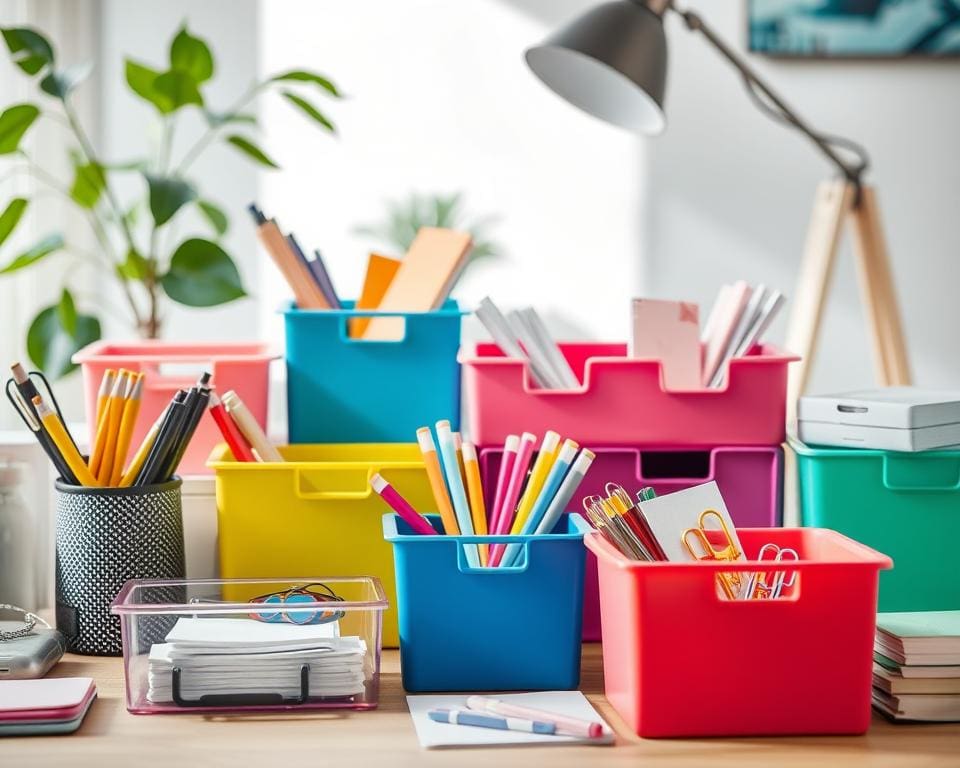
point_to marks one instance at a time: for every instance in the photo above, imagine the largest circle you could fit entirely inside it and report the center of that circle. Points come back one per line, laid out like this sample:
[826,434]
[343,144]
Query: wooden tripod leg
[876,288]
[830,207]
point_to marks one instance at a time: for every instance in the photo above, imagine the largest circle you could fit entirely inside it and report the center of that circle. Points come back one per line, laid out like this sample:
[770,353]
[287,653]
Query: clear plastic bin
[167,683]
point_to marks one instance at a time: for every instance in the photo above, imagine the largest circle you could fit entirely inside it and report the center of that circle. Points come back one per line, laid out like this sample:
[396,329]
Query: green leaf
[216,119]
[302,76]
[14,122]
[202,275]
[11,217]
[89,181]
[126,165]
[45,247]
[60,84]
[251,150]
[51,346]
[142,81]
[216,217]
[167,196]
[191,56]
[67,313]
[179,87]
[35,51]
[135,267]
[309,110]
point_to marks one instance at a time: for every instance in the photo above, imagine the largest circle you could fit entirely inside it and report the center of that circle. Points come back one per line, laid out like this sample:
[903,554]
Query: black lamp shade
[610,62]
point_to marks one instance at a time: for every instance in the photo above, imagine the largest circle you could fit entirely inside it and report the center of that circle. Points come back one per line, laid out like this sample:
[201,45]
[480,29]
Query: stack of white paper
[224,656]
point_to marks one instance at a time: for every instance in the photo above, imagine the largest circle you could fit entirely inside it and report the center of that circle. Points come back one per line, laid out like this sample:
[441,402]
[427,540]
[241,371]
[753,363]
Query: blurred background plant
[196,271]
[402,218]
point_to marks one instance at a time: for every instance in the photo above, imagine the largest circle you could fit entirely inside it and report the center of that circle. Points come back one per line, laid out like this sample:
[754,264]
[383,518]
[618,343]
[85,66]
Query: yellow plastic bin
[315,513]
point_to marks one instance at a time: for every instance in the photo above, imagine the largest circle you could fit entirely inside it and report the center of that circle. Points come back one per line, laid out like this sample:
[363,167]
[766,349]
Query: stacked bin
[642,433]
[353,409]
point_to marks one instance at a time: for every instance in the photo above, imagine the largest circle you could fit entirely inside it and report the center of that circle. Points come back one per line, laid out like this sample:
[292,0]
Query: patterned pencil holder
[106,536]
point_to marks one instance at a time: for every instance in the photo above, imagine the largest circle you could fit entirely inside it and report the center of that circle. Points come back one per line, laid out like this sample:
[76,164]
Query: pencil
[112,417]
[106,384]
[250,428]
[437,485]
[58,433]
[131,409]
[478,511]
[541,468]
[136,464]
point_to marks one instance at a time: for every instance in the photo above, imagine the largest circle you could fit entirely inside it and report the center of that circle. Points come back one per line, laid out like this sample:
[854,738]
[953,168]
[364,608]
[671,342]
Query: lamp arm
[851,171]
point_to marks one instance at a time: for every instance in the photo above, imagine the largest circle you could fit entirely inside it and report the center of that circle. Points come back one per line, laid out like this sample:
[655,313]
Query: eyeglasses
[309,593]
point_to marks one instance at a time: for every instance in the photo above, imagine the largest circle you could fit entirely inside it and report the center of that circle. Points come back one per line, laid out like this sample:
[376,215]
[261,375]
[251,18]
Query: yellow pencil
[435,475]
[115,404]
[538,475]
[106,384]
[58,434]
[136,464]
[131,409]
[478,510]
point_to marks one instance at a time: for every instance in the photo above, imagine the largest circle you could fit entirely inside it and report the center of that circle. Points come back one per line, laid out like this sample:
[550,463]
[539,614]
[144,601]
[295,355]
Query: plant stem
[166,146]
[201,144]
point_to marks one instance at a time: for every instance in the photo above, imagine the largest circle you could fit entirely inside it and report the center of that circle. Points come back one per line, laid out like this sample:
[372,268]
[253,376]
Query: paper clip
[731,583]
[757,586]
[618,497]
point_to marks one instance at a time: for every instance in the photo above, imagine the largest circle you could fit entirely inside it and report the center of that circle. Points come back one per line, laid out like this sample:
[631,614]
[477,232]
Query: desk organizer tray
[315,512]
[241,366]
[623,401]
[750,479]
[904,504]
[341,389]
[182,643]
[488,629]
[679,660]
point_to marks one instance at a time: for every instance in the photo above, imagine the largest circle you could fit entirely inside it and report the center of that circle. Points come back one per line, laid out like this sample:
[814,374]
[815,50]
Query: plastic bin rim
[122,602]
[831,451]
[862,556]
[217,461]
[162,351]
[450,308]
[769,355]
[391,534]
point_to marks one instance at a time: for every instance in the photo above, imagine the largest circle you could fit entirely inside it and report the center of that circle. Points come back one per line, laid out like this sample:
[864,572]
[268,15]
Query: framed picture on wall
[861,29]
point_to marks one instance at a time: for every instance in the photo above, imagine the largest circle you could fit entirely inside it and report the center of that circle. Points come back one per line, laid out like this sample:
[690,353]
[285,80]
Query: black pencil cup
[106,536]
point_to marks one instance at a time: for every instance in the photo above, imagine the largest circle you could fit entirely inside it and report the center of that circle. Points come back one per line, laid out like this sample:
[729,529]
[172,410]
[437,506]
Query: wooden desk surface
[385,737]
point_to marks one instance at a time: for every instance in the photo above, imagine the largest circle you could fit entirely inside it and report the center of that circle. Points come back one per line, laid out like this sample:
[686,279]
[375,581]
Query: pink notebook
[51,698]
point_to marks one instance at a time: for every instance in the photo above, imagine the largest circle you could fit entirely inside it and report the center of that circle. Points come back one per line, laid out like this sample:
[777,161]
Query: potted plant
[196,271]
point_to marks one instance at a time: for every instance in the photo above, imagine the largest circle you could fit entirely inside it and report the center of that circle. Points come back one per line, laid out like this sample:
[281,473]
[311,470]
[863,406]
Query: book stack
[916,670]
[223,656]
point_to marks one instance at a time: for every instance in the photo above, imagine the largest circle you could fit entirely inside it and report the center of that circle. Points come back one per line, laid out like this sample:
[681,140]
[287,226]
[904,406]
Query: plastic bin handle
[340,484]
[463,565]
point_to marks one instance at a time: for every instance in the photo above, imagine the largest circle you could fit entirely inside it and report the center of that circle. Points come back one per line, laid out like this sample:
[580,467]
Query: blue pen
[458,495]
[468,717]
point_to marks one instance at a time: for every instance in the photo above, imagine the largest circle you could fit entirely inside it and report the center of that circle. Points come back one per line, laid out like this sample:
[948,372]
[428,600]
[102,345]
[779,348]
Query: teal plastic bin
[906,505]
[463,628]
[345,390]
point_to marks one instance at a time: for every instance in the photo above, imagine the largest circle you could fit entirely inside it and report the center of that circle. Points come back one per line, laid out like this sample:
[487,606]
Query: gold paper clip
[730,583]
[619,498]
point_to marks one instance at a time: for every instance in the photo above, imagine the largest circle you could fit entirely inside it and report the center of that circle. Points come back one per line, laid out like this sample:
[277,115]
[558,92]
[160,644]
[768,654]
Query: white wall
[441,100]
[730,192]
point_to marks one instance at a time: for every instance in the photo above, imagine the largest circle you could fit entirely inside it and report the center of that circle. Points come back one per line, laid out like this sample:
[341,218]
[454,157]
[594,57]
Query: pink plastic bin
[680,661]
[750,479]
[242,367]
[623,401]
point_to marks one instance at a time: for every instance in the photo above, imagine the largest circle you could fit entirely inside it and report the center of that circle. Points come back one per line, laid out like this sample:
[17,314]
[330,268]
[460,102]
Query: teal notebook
[920,637]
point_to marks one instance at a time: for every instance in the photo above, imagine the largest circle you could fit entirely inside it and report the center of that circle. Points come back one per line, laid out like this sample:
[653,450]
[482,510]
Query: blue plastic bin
[489,629]
[344,390]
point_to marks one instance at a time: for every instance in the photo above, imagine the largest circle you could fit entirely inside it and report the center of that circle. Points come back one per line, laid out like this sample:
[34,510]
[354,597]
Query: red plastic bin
[679,660]
[241,366]
[624,401]
[750,479]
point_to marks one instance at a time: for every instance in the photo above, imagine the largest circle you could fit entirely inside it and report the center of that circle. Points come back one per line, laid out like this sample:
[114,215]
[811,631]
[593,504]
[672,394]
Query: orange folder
[380,272]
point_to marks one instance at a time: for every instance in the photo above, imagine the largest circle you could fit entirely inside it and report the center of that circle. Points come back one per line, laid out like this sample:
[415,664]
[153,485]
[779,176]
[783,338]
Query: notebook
[894,682]
[423,281]
[49,699]
[919,636]
[930,670]
[432,734]
[942,708]
[669,331]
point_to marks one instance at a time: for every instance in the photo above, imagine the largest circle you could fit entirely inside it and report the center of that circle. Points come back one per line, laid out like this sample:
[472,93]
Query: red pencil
[239,446]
